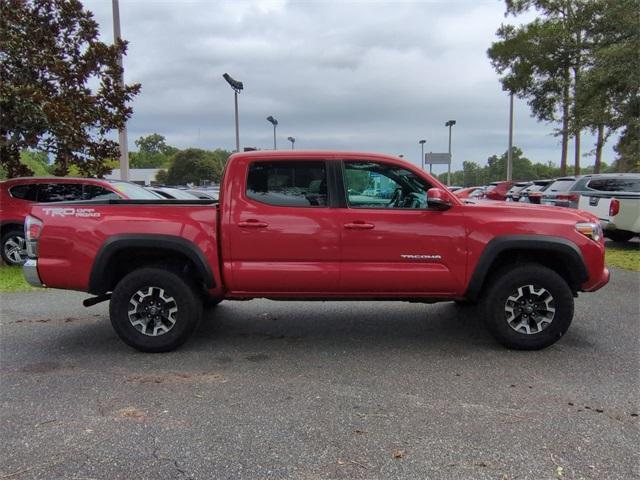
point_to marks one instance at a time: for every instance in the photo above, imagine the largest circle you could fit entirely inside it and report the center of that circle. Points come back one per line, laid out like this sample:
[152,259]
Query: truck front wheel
[528,307]
[154,310]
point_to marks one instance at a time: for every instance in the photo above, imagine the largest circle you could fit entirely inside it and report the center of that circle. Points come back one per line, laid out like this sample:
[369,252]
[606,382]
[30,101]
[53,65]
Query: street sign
[437,158]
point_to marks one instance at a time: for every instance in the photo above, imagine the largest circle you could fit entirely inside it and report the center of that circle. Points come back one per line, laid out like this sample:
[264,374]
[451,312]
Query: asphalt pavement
[319,390]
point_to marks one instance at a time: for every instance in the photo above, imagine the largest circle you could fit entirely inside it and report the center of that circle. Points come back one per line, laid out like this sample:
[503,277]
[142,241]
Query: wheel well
[6,227]
[556,261]
[125,261]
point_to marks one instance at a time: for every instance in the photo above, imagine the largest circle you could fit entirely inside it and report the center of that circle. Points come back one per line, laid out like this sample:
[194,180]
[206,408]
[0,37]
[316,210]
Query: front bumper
[601,282]
[30,272]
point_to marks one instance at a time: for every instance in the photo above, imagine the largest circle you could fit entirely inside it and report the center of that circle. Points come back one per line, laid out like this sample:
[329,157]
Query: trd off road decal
[71,212]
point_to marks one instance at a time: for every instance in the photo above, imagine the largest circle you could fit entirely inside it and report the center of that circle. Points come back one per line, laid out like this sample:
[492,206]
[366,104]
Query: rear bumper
[30,272]
[607,224]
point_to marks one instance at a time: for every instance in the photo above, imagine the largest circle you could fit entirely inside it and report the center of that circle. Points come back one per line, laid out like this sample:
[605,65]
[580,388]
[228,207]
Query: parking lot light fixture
[237,87]
[422,142]
[449,123]
[273,122]
[292,140]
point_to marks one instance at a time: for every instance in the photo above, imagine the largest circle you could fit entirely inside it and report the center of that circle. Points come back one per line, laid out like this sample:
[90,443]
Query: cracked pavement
[324,390]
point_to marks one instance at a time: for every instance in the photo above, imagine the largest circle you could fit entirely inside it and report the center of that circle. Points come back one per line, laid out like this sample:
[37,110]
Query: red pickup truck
[314,225]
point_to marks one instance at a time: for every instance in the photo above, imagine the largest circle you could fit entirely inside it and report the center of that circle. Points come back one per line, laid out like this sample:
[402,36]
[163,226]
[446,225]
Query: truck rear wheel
[154,310]
[528,307]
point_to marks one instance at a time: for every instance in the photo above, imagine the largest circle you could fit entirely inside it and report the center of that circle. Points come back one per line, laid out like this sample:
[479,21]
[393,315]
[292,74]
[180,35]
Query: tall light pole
[449,124]
[273,122]
[422,142]
[292,140]
[122,133]
[237,87]
[510,151]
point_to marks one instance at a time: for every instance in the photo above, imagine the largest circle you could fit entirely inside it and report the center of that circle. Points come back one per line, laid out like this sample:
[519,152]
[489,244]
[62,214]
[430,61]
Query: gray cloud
[355,75]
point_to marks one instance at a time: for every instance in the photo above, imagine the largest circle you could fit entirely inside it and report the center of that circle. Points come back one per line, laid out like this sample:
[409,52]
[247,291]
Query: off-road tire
[183,297]
[511,283]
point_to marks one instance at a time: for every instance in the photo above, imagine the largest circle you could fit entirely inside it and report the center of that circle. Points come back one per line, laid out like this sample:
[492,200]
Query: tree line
[176,166]
[577,65]
[473,174]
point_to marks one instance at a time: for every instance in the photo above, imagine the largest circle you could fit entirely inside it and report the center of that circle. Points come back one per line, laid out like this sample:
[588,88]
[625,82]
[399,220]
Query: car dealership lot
[319,390]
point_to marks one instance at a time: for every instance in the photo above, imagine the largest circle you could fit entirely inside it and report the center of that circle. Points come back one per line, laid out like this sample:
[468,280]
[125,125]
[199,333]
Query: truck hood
[570,214]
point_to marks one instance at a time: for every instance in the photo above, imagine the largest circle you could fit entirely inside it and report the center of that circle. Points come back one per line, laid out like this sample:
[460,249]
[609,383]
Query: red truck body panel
[70,243]
[260,250]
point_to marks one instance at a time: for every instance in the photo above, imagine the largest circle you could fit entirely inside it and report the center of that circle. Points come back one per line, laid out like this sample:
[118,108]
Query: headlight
[591,230]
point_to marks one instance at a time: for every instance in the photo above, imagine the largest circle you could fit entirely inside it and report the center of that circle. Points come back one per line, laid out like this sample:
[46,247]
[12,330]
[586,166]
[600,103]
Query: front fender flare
[529,243]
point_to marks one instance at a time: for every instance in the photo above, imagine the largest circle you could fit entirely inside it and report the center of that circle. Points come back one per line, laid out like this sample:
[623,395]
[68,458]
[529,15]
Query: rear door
[391,242]
[282,236]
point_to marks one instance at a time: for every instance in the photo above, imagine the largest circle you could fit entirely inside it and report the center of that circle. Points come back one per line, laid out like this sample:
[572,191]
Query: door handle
[252,224]
[359,226]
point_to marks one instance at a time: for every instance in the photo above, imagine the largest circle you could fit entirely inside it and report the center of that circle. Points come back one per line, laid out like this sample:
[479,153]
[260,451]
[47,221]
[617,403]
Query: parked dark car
[513,195]
[533,193]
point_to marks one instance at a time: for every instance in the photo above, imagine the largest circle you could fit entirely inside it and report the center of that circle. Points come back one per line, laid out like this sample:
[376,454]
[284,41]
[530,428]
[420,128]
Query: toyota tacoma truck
[317,225]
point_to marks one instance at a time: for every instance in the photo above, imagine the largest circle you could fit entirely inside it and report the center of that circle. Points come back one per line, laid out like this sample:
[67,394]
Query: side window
[616,184]
[59,192]
[288,184]
[25,192]
[380,185]
[95,192]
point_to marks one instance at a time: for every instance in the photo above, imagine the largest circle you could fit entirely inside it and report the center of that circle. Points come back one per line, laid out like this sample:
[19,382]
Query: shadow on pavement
[314,326]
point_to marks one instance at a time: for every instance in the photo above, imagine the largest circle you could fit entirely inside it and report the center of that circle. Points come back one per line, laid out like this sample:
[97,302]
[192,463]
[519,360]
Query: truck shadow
[297,327]
[345,324]
[255,325]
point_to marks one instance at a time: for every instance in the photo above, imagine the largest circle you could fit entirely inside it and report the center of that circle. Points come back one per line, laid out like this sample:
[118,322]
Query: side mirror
[437,199]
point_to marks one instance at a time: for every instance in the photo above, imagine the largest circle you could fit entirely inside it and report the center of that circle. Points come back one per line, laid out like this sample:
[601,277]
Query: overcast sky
[371,76]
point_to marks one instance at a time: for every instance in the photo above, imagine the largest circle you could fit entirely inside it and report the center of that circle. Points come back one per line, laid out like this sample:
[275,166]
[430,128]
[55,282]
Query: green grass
[627,256]
[12,280]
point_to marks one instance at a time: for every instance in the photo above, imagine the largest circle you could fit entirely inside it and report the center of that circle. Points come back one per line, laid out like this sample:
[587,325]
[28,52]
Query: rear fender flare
[100,278]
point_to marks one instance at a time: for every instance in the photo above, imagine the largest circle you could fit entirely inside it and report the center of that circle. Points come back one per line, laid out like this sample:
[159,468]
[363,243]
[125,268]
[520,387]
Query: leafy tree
[496,168]
[153,152]
[162,176]
[543,61]
[610,92]
[577,63]
[37,162]
[50,58]
[195,165]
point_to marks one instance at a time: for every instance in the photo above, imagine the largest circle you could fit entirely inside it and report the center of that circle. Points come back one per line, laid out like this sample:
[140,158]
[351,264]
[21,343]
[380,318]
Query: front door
[391,242]
[282,235]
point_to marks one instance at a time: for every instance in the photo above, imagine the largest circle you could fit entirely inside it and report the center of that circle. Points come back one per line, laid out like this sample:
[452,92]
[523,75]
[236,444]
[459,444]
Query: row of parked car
[613,197]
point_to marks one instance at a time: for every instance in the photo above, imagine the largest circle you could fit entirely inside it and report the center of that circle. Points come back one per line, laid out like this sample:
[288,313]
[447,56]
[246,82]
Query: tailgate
[598,205]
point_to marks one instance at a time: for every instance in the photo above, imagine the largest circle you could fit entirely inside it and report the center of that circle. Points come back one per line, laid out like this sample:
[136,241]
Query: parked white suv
[616,202]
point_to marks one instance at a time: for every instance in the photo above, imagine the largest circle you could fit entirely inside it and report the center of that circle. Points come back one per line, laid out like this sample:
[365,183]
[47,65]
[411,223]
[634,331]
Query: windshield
[133,191]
